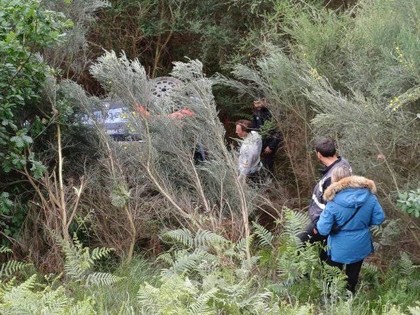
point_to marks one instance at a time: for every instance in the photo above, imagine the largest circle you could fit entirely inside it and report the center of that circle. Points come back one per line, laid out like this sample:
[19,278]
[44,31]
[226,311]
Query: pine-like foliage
[351,74]
[201,194]
[72,53]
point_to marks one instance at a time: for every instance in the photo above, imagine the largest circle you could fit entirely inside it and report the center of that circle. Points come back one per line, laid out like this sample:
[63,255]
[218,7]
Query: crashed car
[114,114]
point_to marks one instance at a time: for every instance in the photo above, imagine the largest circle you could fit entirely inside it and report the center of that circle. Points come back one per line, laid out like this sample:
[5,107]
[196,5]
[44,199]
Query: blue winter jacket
[354,241]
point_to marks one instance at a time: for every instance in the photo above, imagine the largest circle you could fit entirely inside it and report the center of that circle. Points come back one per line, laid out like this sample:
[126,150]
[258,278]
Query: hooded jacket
[354,241]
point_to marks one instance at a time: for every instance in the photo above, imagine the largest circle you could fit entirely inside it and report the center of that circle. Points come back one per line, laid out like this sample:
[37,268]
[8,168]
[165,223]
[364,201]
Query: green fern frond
[167,258]
[76,264]
[84,307]
[200,306]
[76,242]
[26,298]
[6,286]
[189,262]
[27,285]
[207,238]
[147,295]
[248,264]
[53,301]
[79,261]
[100,252]
[406,265]
[242,246]
[295,222]
[370,269]
[102,278]
[4,249]
[12,267]
[389,231]
[182,236]
[265,237]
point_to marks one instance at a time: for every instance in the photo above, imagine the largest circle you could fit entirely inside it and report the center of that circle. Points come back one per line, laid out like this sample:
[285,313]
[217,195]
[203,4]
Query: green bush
[409,202]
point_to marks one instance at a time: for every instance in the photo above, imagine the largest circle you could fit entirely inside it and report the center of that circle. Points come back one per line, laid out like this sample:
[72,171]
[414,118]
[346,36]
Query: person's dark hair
[325,146]
[245,124]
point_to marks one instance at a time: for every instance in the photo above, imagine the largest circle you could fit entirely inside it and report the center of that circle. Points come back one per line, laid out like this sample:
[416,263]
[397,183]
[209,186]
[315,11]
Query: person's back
[326,153]
[353,243]
[352,208]
[317,203]
[249,152]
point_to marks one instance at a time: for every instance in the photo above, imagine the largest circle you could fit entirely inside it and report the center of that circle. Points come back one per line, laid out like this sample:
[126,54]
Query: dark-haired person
[327,154]
[263,122]
[351,210]
[249,153]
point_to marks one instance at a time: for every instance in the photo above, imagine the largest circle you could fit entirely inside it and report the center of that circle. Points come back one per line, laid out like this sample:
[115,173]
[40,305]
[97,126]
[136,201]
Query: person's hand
[267,150]
[315,231]
[179,114]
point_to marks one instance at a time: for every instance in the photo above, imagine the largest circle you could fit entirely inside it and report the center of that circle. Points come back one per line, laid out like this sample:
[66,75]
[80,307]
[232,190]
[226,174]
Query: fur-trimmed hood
[349,182]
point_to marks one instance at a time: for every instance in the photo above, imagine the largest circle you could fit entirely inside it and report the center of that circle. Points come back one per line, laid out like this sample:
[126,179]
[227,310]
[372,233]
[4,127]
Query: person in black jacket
[265,124]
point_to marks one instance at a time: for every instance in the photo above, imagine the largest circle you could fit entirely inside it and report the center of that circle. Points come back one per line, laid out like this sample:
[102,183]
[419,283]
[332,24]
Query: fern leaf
[406,265]
[188,262]
[182,236]
[100,252]
[102,278]
[200,306]
[12,267]
[369,268]
[295,222]
[53,302]
[167,258]
[4,249]
[243,244]
[207,238]
[265,237]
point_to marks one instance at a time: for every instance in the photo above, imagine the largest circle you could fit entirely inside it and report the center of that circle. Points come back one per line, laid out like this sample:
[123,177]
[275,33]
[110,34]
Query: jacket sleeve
[378,214]
[326,220]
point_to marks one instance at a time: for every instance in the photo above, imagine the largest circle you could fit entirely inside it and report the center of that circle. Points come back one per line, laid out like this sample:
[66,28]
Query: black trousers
[309,235]
[267,161]
[352,271]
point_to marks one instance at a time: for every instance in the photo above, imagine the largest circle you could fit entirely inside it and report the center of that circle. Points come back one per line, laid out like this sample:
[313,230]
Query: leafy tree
[26,28]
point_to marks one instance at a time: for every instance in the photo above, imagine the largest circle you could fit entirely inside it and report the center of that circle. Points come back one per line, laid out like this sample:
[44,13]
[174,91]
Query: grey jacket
[249,154]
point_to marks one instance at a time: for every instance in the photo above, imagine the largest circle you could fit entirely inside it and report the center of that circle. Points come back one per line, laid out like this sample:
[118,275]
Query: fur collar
[349,182]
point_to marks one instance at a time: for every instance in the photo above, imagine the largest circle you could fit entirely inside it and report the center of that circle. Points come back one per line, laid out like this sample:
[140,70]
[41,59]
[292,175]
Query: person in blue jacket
[351,209]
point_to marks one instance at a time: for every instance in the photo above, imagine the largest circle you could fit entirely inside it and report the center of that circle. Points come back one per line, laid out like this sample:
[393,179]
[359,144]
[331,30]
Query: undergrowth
[205,273]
